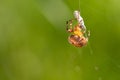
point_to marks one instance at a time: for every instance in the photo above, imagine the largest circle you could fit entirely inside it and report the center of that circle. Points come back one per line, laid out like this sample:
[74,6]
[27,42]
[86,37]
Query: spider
[78,35]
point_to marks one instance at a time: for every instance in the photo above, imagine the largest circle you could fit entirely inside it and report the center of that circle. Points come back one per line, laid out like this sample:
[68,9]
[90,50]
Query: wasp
[78,36]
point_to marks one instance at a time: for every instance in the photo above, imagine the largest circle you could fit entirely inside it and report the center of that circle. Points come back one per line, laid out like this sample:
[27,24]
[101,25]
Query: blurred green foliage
[34,46]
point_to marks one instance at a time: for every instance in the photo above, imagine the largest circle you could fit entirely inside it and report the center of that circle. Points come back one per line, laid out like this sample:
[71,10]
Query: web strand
[79,5]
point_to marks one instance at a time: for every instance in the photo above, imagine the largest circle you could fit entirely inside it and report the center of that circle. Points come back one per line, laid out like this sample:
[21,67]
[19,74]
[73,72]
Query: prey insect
[78,36]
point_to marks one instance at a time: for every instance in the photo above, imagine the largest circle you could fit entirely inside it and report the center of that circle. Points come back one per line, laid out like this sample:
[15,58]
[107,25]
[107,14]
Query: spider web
[95,60]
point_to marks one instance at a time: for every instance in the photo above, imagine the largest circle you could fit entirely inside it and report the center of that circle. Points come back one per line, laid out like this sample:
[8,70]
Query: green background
[34,45]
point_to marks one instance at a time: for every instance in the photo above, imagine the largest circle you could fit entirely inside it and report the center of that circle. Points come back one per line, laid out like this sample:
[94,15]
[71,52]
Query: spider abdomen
[78,41]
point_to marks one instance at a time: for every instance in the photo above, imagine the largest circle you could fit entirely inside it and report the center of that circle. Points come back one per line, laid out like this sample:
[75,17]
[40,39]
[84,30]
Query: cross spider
[78,35]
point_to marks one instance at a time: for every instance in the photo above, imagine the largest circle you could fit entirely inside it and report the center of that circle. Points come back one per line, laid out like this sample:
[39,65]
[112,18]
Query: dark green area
[34,46]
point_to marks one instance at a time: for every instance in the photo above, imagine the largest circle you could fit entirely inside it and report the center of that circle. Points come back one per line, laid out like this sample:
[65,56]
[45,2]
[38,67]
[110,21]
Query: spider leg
[88,33]
[69,25]
[83,28]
